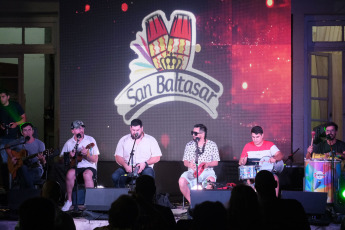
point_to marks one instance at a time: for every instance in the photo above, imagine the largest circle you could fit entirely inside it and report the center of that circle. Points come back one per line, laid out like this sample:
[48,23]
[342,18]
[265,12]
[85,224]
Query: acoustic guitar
[22,156]
[78,156]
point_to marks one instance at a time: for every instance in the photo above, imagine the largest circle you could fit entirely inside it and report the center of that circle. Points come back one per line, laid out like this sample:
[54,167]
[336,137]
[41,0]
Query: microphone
[27,138]
[78,136]
[197,139]
[136,135]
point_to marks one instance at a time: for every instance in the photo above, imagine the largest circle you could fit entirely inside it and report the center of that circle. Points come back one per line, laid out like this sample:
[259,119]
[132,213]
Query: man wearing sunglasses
[200,155]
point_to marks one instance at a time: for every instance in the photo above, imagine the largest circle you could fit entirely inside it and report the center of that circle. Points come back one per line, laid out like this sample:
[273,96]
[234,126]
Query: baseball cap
[76,124]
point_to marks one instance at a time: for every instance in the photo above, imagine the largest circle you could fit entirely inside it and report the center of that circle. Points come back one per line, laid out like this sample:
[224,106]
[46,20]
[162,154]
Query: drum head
[265,164]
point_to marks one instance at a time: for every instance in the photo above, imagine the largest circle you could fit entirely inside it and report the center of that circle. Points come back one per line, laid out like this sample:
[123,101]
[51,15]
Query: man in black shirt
[11,116]
[331,144]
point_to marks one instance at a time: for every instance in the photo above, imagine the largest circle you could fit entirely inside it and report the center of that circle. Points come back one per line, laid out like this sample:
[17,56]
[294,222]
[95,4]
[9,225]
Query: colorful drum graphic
[248,171]
[179,44]
[318,177]
[157,38]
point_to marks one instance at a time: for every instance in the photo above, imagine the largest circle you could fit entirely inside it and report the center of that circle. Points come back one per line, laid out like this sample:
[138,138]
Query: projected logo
[163,71]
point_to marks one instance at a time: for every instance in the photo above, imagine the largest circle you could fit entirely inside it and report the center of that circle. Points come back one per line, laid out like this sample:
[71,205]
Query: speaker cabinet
[199,196]
[314,203]
[100,199]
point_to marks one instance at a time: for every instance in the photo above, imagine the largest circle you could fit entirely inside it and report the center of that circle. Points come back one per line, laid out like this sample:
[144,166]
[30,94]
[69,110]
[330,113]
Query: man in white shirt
[146,153]
[85,151]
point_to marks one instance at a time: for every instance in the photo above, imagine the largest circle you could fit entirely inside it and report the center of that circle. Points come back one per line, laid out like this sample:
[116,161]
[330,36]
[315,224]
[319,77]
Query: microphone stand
[13,145]
[291,157]
[197,152]
[76,208]
[332,174]
[130,161]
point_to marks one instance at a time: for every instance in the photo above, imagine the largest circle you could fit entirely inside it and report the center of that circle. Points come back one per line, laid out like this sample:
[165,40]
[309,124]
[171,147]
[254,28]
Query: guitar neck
[35,155]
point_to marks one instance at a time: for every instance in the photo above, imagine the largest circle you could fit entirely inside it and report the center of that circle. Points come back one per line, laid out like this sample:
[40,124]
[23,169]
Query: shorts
[189,176]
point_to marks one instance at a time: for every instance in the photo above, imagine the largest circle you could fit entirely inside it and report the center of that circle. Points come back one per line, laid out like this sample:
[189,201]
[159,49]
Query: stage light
[124,7]
[244,85]
[341,195]
[197,187]
[269,3]
[87,7]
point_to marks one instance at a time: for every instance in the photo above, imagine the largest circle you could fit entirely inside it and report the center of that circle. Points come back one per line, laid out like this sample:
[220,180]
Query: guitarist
[87,169]
[258,149]
[31,170]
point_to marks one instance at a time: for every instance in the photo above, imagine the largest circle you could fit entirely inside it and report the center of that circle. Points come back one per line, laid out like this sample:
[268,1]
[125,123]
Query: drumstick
[312,137]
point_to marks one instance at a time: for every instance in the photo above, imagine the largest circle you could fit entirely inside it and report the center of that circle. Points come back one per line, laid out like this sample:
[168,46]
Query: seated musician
[331,144]
[259,148]
[84,152]
[146,154]
[205,153]
[31,170]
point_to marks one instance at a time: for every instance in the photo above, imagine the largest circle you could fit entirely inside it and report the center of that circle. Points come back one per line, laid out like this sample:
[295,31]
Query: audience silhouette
[36,213]
[278,213]
[242,205]
[51,190]
[209,215]
[151,215]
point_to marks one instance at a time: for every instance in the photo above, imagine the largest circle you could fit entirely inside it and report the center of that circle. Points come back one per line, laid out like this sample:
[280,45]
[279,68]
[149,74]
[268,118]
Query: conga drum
[318,177]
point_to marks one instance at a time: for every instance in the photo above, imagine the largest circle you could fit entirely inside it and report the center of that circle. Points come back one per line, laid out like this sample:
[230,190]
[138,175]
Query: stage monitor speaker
[314,203]
[17,196]
[100,199]
[199,196]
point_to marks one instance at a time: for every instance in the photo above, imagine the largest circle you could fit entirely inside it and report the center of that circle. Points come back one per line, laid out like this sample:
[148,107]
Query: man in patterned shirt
[201,153]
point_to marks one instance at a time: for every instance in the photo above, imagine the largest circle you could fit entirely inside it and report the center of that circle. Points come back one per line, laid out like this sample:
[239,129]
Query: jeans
[28,176]
[4,174]
[3,153]
[120,177]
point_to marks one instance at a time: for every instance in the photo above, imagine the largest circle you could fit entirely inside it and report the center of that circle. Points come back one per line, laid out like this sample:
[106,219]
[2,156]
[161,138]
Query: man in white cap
[85,151]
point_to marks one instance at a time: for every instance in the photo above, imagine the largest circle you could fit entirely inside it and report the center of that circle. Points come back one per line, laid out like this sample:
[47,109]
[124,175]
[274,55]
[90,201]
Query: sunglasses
[194,133]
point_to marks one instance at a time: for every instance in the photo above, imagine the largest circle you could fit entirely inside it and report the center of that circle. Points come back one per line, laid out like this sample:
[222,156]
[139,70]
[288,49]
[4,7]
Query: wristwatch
[147,165]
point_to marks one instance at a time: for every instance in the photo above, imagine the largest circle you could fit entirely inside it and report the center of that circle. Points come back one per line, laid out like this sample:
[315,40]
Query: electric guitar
[22,156]
[78,156]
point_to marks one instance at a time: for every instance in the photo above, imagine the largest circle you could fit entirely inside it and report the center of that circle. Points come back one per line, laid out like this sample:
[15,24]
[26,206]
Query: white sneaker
[66,206]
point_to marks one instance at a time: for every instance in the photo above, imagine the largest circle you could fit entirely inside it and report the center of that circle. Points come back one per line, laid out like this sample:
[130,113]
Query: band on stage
[137,153]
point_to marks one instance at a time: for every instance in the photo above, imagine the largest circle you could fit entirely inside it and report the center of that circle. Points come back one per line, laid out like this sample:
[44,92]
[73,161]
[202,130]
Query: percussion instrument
[276,167]
[248,171]
[318,177]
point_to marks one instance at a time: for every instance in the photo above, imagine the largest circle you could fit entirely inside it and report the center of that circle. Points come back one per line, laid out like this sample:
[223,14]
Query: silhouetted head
[123,213]
[51,190]
[145,187]
[209,215]
[265,183]
[37,213]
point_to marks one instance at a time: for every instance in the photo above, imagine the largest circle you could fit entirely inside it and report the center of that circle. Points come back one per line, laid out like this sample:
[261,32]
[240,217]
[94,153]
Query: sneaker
[67,206]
